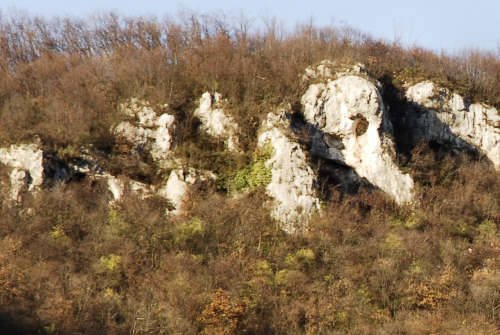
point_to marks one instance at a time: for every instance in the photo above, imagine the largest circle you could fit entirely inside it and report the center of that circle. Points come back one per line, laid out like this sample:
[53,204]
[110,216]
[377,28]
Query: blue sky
[436,24]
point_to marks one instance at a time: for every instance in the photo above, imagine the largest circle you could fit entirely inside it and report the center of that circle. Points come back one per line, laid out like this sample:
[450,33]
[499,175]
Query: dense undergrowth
[71,264]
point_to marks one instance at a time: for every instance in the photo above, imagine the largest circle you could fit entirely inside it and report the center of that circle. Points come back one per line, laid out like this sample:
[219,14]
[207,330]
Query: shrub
[71,264]
[222,316]
[189,234]
[250,177]
[303,258]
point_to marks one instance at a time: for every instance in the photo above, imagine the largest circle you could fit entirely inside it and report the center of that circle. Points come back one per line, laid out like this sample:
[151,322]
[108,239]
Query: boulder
[26,161]
[26,157]
[145,130]
[178,184]
[327,69]
[322,70]
[215,122]
[118,187]
[292,182]
[445,117]
[19,183]
[353,129]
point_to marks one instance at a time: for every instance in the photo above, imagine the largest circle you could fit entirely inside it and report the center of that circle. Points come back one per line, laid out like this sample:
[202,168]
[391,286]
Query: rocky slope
[443,116]
[344,123]
[352,122]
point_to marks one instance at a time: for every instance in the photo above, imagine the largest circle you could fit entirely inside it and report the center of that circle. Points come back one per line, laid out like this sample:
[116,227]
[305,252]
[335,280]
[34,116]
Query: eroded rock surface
[322,70]
[354,130]
[178,184]
[26,161]
[19,183]
[327,69]
[215,122]
[445,117]
[145,130]
[119,186]
[27,157]
[292,182]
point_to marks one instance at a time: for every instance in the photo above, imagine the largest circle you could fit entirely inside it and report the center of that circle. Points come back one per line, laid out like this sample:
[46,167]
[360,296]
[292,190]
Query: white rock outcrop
[292,182]
[26,161]
[19,183]
[445,117]
[322,70]
[146,130]
[118,187]
[350,113]
[178,184]
[327,69]
[215,122]
[174,190]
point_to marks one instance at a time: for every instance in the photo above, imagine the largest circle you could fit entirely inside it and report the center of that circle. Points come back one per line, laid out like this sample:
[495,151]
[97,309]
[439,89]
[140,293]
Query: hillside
[194,175]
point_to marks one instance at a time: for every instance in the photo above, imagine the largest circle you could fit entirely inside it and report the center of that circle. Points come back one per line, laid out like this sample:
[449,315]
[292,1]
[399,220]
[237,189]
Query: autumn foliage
[72,264]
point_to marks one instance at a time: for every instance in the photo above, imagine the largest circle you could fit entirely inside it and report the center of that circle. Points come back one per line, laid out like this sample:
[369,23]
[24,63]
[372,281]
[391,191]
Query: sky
[441,25]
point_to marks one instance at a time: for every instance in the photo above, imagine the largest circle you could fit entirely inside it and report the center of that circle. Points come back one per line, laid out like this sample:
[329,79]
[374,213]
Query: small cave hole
[361,126]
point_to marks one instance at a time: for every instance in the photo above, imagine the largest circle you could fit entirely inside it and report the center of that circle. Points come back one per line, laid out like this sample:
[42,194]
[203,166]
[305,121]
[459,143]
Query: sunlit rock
[119,186]
[327,69]
[26,161]
[215,122]
[19,183]
[178,184]
[27,157]
[292,182]
[445,117]
[145,130]
[355,131]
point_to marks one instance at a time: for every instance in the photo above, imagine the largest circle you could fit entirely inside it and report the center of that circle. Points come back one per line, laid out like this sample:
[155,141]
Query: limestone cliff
[446,117]
[354,130]
[344,125]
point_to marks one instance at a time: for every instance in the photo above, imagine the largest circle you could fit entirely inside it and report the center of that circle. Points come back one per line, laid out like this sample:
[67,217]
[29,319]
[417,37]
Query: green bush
[251,177]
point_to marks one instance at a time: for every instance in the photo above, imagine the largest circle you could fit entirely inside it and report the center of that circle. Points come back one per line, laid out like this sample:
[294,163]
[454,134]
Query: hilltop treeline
[72,264]
[55,72]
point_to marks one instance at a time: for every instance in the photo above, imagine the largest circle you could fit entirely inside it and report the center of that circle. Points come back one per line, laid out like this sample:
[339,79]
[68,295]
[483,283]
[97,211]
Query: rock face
[29,169]
[26,161]
[292,182]
[215,122]
[27,157]
[178,184]
[19,183]
[118,187]
[327,69]
[174,190]
[322,70]
[354,130]
[445,117]
[145,130]
[343,124]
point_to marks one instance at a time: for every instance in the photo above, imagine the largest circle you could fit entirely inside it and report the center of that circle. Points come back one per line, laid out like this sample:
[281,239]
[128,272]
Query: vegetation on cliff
[70,263]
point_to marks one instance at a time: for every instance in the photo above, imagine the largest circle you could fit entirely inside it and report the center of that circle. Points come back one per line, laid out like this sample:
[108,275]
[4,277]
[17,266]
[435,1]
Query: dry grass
[71,264]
